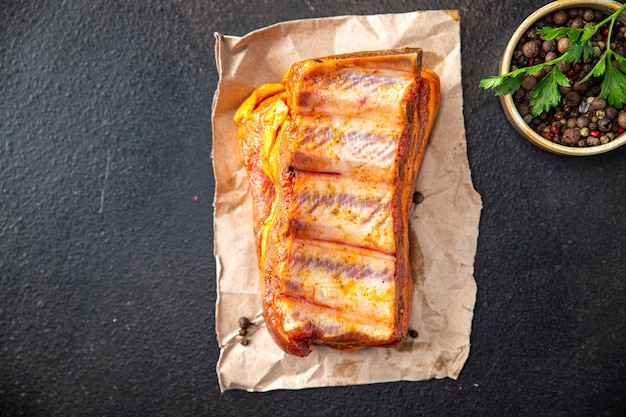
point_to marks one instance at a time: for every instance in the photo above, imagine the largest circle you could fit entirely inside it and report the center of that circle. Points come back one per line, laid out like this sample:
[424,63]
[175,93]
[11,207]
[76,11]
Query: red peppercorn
[549,135]
[531,62]
[605,33]
[554,128]
[594,133]
[570,73]
[620,130]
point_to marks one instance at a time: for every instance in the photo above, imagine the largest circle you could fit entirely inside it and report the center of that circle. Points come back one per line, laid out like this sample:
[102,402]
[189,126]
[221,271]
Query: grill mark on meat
[363,208]
[358,80]
[299,261]
[358,144]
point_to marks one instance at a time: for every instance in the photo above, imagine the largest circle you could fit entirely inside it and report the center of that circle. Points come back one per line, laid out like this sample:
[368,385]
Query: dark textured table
[107,279]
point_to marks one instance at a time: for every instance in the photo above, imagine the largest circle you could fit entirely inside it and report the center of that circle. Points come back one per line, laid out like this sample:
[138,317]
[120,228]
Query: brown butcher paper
[443,227]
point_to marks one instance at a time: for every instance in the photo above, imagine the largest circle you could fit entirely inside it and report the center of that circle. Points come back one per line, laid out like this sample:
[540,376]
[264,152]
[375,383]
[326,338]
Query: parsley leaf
[574,52]
[597,70]
[613,86]
[510,85]
[588,32]
[621,60]
[491,82]
[545,94]
[550,33]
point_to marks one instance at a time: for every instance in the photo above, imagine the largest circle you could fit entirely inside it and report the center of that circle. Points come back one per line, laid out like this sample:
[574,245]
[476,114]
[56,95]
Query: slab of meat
[332,153]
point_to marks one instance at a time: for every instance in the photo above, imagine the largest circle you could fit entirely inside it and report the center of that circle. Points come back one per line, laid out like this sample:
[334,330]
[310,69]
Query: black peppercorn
[580,87]
[571,136]
[577,23]
[605,125]
[560,18]
[523,109]
[549,46]
[589,14]
[244,322]
[418,197]
[582,121]
[598,103]
[530,49]
[611,112]
[522,61]
[572,99]
[529,82]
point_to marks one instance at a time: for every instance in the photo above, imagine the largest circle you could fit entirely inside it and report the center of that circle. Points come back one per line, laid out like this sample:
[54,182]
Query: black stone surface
[107,279]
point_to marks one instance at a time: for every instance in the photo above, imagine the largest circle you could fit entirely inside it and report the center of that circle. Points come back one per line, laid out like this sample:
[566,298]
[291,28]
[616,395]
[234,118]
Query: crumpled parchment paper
[444,227]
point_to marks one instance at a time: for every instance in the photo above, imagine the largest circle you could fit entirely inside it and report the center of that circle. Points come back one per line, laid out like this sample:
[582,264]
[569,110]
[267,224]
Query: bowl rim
[507,100]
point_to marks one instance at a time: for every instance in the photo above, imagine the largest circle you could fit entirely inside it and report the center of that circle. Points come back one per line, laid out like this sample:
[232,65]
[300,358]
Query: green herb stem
[612,17]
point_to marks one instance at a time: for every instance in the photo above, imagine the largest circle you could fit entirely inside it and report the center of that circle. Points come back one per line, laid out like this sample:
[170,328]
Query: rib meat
[332,153]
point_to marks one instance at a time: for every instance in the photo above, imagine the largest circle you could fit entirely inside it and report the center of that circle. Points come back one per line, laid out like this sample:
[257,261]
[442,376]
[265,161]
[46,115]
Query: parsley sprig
[545,94]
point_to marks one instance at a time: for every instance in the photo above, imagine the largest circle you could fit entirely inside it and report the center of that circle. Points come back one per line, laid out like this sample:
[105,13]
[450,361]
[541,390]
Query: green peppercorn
[592,141]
